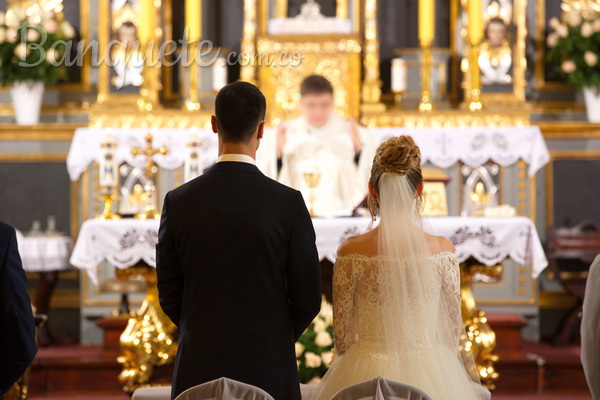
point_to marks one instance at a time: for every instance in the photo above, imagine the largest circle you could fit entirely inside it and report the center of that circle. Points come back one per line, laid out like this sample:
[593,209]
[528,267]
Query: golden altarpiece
[351,60]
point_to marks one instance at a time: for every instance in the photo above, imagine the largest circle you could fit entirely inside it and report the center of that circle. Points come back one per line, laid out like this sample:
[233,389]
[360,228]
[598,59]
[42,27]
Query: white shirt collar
[236,158]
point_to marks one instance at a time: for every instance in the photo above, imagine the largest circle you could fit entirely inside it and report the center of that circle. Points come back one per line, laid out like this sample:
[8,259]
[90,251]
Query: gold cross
[149,152]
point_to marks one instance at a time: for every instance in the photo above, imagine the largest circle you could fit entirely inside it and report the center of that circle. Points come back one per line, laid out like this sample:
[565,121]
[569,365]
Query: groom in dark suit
[238,270]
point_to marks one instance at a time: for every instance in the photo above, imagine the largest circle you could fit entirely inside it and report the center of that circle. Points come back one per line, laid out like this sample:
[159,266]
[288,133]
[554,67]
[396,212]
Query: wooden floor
[84,372]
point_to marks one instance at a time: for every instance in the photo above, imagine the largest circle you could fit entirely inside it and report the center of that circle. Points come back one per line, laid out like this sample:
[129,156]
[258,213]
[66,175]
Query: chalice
[108,197]
[312,181]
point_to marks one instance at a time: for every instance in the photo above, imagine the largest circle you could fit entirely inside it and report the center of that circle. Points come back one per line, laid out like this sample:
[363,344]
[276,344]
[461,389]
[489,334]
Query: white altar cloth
[125,242]
[85,147]
[503,145]
[121,242]
[45,253]
[441,146]
[488,240]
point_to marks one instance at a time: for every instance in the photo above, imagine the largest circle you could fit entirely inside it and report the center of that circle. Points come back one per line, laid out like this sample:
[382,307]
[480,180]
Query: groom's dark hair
[239,108]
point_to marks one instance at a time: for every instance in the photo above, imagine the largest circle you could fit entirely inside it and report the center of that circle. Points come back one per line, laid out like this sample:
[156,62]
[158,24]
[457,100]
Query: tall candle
[107,165]
[426,22]
[475,21]
[147,21]
[398,75]
[219,71]
[193,19]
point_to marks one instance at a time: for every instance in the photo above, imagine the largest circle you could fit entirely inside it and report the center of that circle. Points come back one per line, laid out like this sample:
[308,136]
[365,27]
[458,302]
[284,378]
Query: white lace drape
[504,145]
[85,147]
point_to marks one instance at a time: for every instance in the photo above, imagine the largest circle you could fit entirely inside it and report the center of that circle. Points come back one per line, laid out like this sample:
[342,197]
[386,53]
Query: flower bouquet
[314,349]
[33,42]
[573,49]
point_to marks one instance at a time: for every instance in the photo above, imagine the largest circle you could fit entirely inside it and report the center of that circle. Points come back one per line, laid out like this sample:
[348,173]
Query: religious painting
[495,57]
[502,52]
[121,72]
[126,59]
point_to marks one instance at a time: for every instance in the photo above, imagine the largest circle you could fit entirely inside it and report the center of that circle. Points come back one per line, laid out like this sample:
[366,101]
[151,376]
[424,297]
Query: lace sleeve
[344,326]
[451,291]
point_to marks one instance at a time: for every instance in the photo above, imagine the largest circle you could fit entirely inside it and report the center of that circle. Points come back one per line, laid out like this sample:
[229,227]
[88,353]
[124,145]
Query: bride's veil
[419,288]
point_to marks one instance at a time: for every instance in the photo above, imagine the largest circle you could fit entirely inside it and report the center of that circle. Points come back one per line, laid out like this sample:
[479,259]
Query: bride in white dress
[396,293]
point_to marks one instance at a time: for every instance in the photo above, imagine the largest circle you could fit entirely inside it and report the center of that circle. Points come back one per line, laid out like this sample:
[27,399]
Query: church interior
[500,95]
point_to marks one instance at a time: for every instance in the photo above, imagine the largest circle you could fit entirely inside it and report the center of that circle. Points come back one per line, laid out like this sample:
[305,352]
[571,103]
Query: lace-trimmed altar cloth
[85,147]
[441,146]
[504,145]
[488,240]
[123,243]
[45,253]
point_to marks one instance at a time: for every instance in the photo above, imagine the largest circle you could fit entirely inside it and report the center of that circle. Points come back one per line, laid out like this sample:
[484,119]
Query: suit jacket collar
[234,166]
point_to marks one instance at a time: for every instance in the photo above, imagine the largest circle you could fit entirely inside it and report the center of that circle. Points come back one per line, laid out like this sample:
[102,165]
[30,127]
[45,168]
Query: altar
[498,132]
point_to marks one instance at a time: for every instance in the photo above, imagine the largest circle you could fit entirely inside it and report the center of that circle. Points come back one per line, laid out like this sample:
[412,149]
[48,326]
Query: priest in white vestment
[321,144]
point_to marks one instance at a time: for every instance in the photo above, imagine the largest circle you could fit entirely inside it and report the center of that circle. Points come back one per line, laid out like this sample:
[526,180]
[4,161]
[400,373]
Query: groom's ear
[260,130]
[213,123]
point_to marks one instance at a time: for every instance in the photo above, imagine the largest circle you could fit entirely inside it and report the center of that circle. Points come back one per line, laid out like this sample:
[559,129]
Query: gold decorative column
[426,36]
[480,335]
[371,88]
[341,10]
[149,41]
[193,22]
[248,46]
[281,8]
[475,30]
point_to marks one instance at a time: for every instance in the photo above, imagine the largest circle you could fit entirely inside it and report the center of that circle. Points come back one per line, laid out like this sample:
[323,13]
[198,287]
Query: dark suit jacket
[238,273]
[17,328]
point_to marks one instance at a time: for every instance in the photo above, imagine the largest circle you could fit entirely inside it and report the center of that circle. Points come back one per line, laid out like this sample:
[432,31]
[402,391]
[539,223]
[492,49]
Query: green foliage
[28,52]
[573,54]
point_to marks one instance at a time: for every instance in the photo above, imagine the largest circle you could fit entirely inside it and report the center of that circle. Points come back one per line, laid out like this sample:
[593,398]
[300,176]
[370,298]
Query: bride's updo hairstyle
[397,155]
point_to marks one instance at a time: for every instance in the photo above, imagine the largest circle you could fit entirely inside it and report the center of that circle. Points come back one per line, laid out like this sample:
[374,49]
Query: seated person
[322,146]
[17,327]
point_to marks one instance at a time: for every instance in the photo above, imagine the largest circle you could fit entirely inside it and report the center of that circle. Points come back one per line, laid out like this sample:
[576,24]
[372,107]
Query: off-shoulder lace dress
[357,318]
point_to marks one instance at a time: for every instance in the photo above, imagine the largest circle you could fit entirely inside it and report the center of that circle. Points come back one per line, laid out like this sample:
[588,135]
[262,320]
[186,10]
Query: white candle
[193,166]
[219,71]
[108,166]
[398,75]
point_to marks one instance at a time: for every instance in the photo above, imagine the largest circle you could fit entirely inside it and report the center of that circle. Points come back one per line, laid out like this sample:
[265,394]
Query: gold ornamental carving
[336,57]
[148,341]
[445,119]
[164,118]
[480,336]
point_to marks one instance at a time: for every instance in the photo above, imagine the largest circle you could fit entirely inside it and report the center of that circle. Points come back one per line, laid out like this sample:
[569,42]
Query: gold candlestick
[108,200]
[193,103]
[312,181]
[398,99]
[193,21]
[475,29]
[426,105]
[475,104]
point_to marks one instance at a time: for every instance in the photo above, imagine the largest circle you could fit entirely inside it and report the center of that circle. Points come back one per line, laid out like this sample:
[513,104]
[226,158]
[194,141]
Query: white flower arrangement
[314,349]
[32,45]
[574,45]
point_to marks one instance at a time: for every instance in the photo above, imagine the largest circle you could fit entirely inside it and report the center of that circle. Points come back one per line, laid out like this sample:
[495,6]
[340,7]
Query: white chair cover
[307,390]
[224,389]
[590,330]
[381,388]
[481,391]
[152,393]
